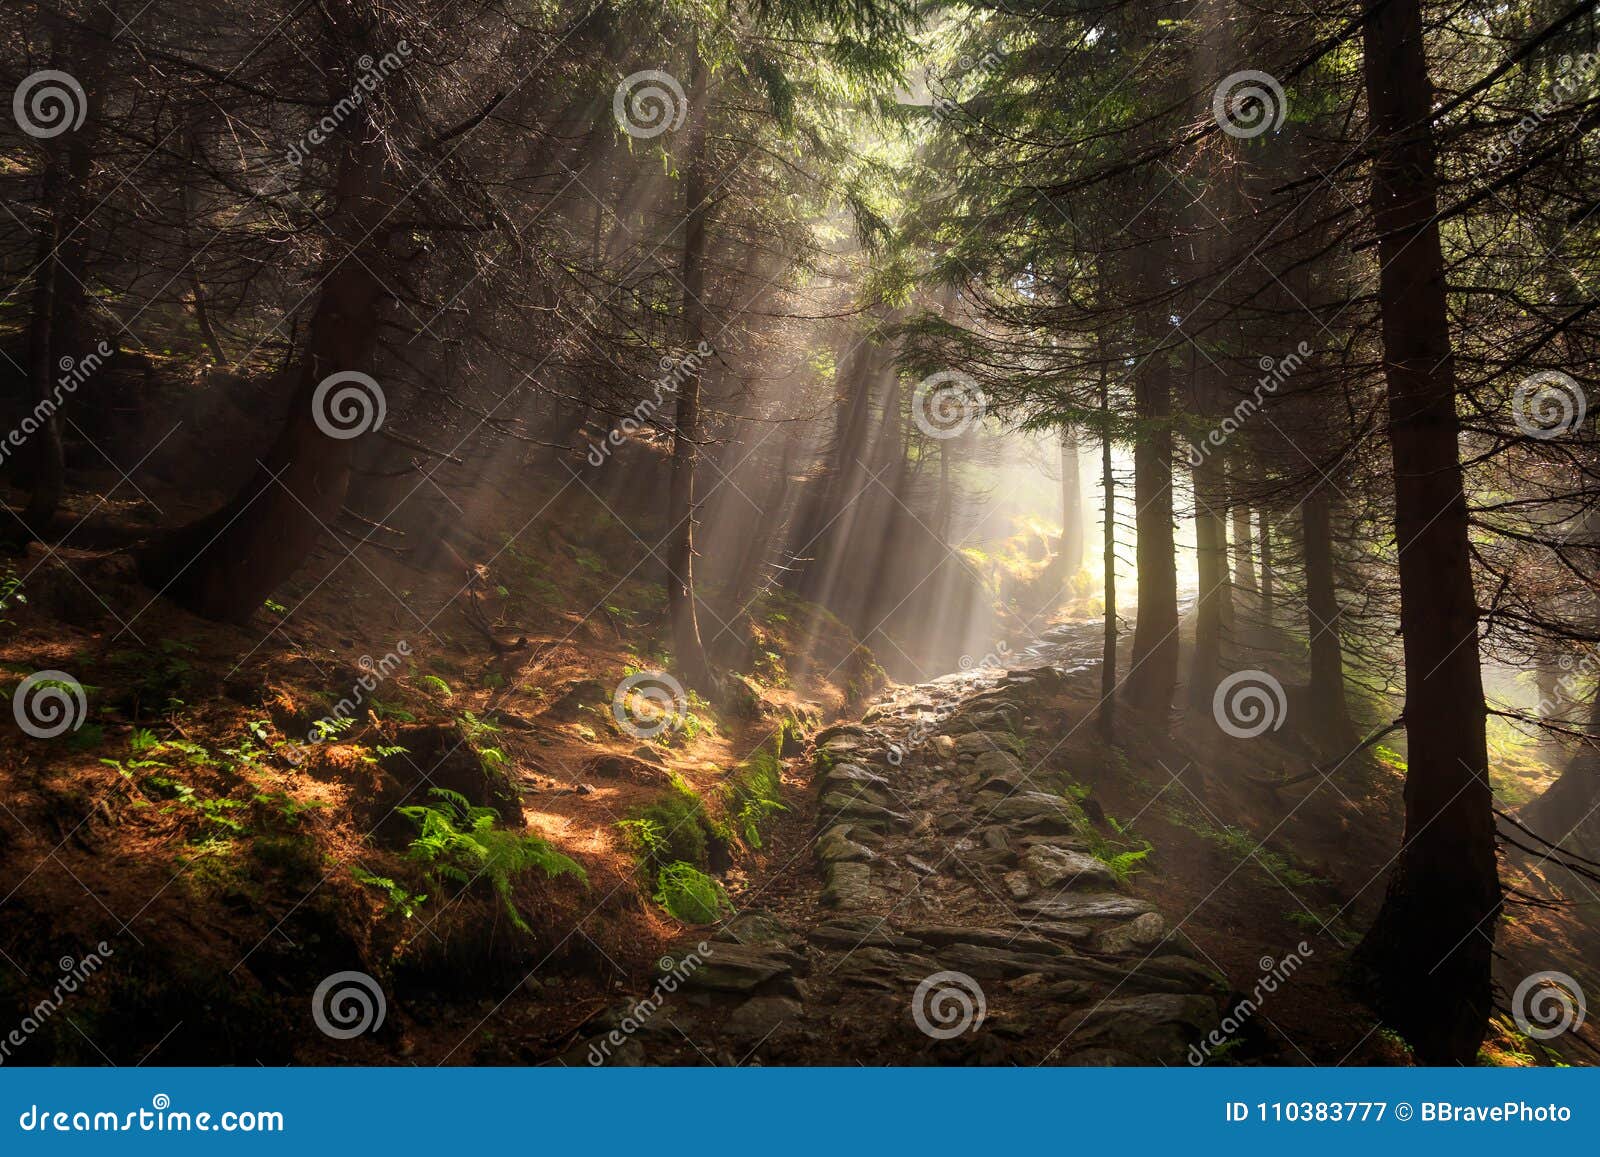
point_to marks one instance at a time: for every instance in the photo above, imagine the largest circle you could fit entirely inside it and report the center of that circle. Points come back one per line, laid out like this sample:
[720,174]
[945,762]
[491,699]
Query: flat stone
[939,935]
[921,867]
[840,729]
[754,926]
[835,844]
[861,932]
[1088,906]
[849,885]
[1018,885]
[976,743]
[1056,868]
[1031,807]
[760,1016]
[843,775]
[890,970]
[1138,935]
[998,762]
[732,967]
[1154,1028]
[840,806]
[989,963]
[1060,930]
[1053,840]
[996,839]
[943,746]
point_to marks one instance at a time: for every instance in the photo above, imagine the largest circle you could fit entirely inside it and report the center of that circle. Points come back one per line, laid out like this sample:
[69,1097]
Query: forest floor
[222,864]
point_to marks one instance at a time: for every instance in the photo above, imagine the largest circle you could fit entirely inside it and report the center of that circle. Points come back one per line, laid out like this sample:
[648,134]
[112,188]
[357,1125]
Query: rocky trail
[941,904]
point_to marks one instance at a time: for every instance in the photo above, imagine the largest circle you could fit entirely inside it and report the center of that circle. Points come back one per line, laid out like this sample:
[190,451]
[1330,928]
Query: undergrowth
[458,841]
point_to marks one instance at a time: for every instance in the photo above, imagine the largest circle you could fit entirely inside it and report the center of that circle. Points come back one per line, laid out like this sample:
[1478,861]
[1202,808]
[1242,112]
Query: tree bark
[224,565]
[688,649]
[1332,722]
[1153,673]
[1244,561]
[1071,506]
[1268,591]
[1211,557]
[1106,716]
[1426,960]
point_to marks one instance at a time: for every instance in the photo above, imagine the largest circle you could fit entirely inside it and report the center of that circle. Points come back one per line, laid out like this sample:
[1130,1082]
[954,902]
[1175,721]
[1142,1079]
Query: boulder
[849,885]
[1055,868]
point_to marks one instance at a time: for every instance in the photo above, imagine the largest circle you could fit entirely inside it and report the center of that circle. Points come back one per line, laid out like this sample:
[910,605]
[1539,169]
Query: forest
[799,532]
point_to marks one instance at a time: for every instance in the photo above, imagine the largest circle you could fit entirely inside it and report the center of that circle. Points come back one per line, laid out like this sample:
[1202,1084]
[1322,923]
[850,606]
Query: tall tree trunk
[224,565]
[197,292]
[1568,812]
[1153,670]
[1106,717]
[1244,552]
[687,647]
[1268,589]
[946,503]
[1332,722]
[1211,558]
[821,522]
[46,460]
[1071,506]
[1427,956]
[55,331]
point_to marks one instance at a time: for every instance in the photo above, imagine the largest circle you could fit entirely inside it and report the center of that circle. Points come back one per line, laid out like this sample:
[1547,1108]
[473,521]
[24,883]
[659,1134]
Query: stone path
[954,912]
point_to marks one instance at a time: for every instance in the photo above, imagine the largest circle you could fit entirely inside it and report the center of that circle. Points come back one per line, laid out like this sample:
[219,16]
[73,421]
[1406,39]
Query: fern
[458,841]
[690,895]
[396,898]
[755,794]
